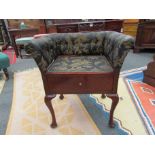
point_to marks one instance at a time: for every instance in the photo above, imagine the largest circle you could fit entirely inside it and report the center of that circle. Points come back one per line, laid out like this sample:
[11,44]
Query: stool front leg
[115,100]
[48,103]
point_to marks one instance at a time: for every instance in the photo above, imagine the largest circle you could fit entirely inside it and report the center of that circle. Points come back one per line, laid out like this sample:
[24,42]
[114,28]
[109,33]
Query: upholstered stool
[81,63]
[4,64]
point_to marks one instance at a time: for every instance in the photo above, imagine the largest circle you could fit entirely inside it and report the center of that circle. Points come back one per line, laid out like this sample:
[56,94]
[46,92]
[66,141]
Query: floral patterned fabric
[80,64]
[113,45]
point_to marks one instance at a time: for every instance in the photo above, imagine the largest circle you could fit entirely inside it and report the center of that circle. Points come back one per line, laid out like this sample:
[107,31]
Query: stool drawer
[80,83]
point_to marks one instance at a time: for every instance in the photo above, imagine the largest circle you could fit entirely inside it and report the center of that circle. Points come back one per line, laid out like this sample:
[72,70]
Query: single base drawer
[70,84]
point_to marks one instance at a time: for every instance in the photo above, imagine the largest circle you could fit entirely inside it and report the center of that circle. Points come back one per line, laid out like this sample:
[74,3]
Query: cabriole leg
[103,96]
[61,97]
[48,103]
[115,100]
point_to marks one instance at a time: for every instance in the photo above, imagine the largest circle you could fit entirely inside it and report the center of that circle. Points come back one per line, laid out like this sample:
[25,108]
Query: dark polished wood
[115,100]
[61,96]
[104,25]
[103,96]
[67,28]
[14,33]
[145,38]
[149,73]
[80,83]
[48,103]
[76,83]
[91,26]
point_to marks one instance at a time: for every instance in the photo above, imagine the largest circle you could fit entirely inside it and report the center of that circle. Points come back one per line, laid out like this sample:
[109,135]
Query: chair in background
[20,37]
[20,42]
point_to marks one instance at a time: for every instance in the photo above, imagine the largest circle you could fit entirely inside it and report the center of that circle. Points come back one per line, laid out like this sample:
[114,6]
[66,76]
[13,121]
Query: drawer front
[80,84]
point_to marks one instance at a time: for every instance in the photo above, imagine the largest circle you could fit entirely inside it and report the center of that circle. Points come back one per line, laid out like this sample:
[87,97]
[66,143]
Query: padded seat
[23,40]
[80,64]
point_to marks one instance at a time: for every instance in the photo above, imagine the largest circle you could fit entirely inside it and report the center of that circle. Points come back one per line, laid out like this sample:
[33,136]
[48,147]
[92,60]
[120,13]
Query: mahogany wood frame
[80,83]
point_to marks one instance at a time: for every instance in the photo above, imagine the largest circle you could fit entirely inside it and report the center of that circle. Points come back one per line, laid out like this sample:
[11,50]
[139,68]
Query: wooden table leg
[14,45]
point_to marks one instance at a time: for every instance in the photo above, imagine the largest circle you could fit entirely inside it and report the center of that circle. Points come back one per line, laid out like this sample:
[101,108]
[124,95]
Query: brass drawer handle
[80,83]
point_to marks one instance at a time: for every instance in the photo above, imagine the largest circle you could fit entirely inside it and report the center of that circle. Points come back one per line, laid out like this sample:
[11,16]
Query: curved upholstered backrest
[78,43]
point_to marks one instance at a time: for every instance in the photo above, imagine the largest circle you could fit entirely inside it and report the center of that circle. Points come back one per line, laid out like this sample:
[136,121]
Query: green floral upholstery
[113,45]
[80,64]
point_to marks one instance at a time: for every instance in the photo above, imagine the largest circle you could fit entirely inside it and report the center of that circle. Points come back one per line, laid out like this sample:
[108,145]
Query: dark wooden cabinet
[86,26]
[149,73]
[114,25]
[67,28]
[92,26]
[145,38]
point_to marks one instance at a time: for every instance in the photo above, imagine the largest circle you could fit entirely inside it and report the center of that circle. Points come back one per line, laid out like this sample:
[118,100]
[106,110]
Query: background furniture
[50,25]
[4,64]
[76,63]
[4,37]
[145,38]
[20,33]
[102,25]
[20,42]
[31,23]
[130,27]
[1,35]
[149,73]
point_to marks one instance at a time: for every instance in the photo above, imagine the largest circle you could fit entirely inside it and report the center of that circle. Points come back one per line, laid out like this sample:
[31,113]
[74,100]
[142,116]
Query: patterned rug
[144,98]
[76,114]
[11,54]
